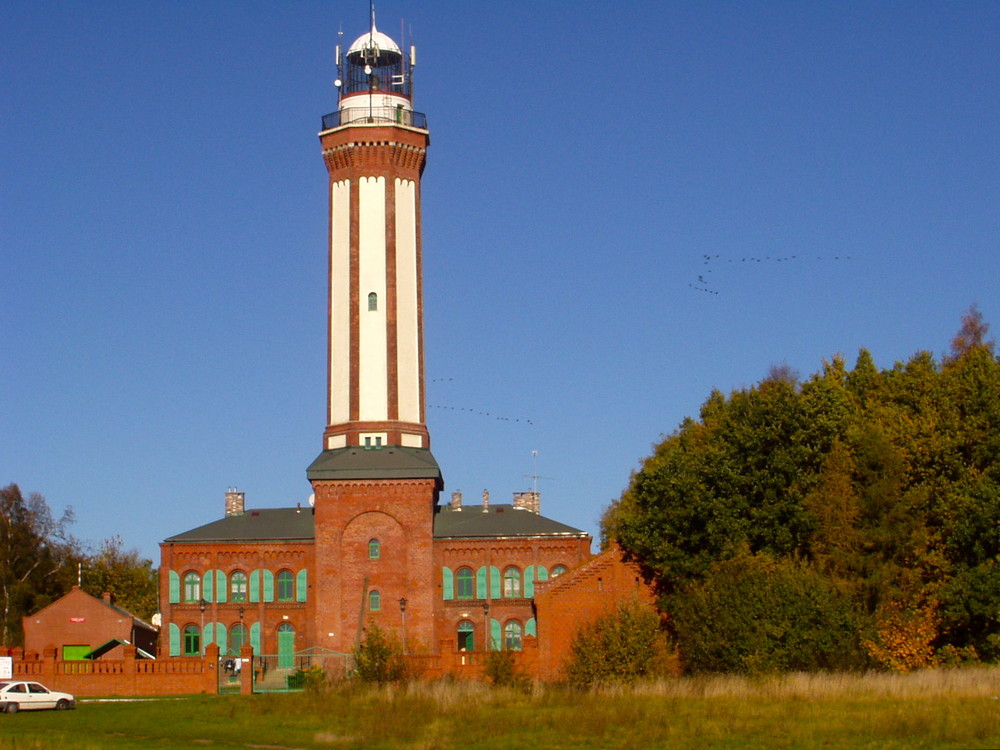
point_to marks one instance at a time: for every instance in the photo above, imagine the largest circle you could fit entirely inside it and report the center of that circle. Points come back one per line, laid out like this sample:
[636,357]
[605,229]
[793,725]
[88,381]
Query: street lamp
[402,614]
[201,636]
[486,626]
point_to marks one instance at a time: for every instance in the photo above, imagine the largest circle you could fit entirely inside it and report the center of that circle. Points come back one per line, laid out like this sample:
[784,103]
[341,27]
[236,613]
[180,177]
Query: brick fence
[125,676]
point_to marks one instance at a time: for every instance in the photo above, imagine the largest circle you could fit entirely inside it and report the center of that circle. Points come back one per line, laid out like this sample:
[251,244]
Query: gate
[286,672]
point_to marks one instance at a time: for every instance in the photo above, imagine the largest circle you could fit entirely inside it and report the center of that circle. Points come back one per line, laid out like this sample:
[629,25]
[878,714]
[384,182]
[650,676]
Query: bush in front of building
[502,670]
[624,645]
[378,659]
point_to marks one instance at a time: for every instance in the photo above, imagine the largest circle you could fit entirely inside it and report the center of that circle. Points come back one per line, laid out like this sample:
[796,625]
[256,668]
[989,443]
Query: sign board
[6,668]
[78,619]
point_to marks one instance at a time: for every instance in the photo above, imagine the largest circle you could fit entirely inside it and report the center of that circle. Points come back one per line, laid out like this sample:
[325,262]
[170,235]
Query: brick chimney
[486,501]
[528,501]
[456,500]
[235,502]
[108,597]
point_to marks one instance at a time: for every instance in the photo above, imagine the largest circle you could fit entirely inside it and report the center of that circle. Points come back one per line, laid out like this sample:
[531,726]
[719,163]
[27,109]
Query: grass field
[933,709]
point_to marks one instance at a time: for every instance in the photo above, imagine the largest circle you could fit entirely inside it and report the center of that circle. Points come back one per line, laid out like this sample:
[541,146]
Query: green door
[286,646]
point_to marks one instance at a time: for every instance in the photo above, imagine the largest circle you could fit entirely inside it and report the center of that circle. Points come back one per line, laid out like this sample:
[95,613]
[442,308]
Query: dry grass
[931,709]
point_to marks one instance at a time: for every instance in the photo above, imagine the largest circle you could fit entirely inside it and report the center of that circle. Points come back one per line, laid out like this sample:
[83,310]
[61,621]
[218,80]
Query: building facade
[375,545]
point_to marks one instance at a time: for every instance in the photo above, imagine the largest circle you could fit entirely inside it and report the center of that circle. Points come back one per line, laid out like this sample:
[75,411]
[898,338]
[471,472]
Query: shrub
[379,657]
[755,614]
[621,646]
[501,669]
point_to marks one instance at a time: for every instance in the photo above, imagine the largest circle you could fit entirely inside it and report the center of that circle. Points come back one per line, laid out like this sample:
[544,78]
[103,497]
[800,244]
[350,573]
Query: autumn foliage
[874,490]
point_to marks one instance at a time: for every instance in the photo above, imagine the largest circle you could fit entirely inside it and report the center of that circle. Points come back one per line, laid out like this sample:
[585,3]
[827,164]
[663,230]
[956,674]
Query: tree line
[847,520]
[40,561]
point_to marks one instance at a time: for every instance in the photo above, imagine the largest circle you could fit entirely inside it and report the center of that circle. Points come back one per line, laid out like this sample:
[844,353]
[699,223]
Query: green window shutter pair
[255,638]
[255,586]
[448,584]
[206,586]
[495,635]
[268,586]
[220,586]
[495,582]
[531,627]
[175,639]
[481,583]
[174,597]
[301,585]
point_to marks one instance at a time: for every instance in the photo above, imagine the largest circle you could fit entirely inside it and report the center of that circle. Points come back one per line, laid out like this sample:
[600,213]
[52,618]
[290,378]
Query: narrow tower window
[374,549]
[374,601]
[372,302]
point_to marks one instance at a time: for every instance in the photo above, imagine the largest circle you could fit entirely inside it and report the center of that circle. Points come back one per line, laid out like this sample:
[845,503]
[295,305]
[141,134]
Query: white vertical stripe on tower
[373,397]
[408,334]
[340,302]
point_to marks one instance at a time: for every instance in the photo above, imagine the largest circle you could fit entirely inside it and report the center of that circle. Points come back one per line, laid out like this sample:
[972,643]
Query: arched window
[238,586]
[512,582]
[237,637]
[374,601]
[192,640]
[372,302]
[466,639]
[512,635]
[557,571]
[466,583]
[374,549]
[192,586]
[286,586]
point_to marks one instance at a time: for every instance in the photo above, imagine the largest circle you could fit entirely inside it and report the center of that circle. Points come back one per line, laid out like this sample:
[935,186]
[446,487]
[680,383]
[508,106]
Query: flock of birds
[703,284]
[477,412]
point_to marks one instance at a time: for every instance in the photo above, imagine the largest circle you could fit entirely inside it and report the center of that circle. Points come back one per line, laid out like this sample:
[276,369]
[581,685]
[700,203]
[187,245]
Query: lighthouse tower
[375,482]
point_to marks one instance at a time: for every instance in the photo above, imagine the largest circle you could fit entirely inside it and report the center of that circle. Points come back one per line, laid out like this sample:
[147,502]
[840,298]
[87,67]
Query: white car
[16,695]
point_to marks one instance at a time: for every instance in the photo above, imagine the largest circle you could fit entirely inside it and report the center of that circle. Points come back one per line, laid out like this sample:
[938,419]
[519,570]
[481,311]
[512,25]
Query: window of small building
[192,586]
[466,637]
[466,583]
[512,633]
[192,640]
[374,601]
[372,302]
[374,549]
[238,586]
[286,586]
[237,637]
[512,582]
[557,571]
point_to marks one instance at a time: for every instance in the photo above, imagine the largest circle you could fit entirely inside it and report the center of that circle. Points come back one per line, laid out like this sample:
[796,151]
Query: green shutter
[207,635]
[531,627]
[220,637]
[496,642]
[448,584]
[543,573]
[529,581]
[206,585]
[175,639]
[268,586]
[481,583]
[175,587]
[300,585]
[495,582]
[220,586]
[255,638]
[255,586]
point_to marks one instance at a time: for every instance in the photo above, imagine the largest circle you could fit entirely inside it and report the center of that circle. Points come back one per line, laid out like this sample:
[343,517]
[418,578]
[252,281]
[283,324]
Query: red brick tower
[375,483]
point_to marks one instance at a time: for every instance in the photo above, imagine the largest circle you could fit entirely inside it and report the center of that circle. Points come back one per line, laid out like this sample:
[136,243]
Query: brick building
[375,544]
[79,626]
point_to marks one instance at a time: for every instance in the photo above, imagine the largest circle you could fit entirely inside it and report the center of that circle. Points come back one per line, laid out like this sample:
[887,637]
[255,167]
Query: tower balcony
[375,115]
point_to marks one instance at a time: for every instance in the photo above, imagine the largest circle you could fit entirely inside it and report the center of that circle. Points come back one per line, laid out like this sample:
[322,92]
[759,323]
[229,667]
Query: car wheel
[62,704]
[12,708]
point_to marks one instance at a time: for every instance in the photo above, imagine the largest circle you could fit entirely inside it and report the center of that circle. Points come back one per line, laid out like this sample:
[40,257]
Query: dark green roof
[264,524]
[499,521]
[392,462]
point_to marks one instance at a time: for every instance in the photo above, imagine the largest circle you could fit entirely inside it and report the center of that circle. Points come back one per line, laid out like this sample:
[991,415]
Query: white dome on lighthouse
[374,39]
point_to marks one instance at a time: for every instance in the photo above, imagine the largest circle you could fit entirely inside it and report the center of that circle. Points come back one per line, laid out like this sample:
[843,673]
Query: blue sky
[162,231]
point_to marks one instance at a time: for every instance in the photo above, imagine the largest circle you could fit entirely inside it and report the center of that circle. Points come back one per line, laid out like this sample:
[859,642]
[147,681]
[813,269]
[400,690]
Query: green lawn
[953,709]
